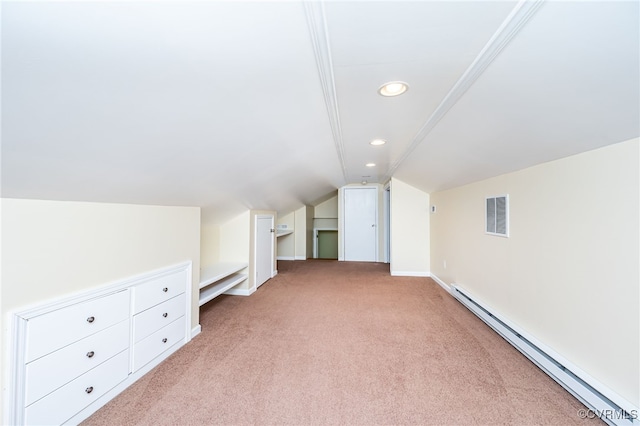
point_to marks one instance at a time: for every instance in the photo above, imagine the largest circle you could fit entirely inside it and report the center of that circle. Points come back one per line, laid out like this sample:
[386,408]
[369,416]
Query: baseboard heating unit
[600,401]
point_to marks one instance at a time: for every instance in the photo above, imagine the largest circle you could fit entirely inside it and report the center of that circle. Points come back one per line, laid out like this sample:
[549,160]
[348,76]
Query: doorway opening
[326,244]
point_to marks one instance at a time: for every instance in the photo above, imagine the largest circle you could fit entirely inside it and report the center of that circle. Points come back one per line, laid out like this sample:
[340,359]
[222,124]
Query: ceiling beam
[514,22]
[318,31]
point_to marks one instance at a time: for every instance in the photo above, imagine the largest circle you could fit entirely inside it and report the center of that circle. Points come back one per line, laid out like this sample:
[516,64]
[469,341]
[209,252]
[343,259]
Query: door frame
[255,249]
[387,222]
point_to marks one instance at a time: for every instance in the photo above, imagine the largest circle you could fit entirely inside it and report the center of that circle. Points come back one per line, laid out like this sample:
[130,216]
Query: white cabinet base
[78,388]
[156,344]
[60,405]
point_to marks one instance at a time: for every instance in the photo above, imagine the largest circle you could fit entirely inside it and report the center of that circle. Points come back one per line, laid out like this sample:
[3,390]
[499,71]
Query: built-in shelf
[218,278]
[283,232]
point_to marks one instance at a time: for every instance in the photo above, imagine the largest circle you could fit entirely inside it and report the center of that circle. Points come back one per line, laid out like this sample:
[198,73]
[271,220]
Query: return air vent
[497,215]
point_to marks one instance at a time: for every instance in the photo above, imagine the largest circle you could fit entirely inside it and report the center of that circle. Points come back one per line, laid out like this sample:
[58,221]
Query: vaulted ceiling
[231,105]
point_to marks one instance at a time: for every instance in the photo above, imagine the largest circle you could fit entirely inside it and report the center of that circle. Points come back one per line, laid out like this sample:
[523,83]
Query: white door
[361,224]
[387,225]
[264,248]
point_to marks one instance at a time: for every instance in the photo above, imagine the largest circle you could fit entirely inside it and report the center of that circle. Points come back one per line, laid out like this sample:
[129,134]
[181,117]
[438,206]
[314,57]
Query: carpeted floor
[343,343]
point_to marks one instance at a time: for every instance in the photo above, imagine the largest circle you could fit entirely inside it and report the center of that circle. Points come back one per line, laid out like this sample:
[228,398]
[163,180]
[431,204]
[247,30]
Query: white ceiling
[234,105]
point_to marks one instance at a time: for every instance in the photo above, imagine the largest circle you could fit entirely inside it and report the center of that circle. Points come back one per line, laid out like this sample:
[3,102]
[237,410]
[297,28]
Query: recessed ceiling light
[393,88]
[377,142]
[370,164]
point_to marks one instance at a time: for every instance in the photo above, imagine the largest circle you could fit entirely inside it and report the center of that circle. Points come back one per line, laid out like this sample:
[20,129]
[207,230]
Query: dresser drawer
[64,403]
[158,290]
[153,319]
[52,371]
[153,345]
[57,329]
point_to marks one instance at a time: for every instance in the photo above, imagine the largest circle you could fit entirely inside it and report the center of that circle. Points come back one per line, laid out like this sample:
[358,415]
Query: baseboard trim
[602,402]
[196,330]
[442,284]
[300,258]
[410,273]
[240,291]
[285,258]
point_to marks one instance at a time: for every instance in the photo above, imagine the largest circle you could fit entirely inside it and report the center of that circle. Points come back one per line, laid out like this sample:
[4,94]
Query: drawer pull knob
[90,354]
[164,340]
[165,314]
[165,289]
[89,389]
[91,319]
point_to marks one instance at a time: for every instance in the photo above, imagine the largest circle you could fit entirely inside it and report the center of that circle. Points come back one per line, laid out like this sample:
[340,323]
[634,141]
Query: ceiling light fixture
[370,164]
[393,88]
[377,142]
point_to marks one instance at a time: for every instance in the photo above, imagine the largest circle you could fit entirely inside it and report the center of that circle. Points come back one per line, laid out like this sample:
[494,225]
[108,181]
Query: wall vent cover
[497,215]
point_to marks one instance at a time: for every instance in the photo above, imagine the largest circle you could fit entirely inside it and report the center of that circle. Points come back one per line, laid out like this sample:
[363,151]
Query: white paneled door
[264,248]
[361,224]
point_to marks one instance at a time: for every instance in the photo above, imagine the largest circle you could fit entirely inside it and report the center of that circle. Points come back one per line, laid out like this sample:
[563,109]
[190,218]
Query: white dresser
[159,309]
[74,355]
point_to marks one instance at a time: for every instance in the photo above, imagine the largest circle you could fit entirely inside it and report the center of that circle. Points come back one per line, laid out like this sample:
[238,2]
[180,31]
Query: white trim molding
[410,273]
[514,22]
[196,330]
[442,284]
[241,291]
[317,25]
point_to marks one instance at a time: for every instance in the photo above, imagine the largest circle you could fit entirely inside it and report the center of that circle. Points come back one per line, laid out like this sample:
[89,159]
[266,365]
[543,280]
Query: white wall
[235,239]
[51,249]
[310,211]
[327,209]
[325,216]
[301,233]
[326,223]
[286,244]
[235,242]
[409,235]
[299,244]
[569,272]
[209,244]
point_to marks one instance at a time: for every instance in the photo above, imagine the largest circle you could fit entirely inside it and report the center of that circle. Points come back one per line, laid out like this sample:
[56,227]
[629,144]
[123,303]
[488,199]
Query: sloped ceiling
[271,105]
